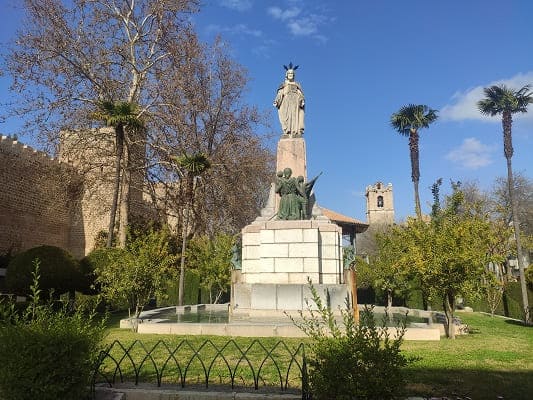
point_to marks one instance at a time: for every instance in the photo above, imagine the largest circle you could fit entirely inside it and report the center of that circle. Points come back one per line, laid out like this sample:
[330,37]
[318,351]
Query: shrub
[59,270]
[352,361]
[170,291]
[97,259]
[529,277]
[136,276]
[46,354]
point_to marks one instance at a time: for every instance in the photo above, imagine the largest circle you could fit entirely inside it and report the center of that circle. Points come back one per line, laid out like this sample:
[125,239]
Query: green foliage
[119,114]
[212,259]
[510,305]
[194,164]
[413,117]
[98,259]
[500,99]
[59,271]
[387,275]
[100,240]
[5,258]
[351,361]
[46,354]
[529,277]
[170,291]
[137,274]
[447,255]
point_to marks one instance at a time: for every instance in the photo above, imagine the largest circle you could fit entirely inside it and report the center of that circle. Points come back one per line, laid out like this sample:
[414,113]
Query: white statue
[290,103]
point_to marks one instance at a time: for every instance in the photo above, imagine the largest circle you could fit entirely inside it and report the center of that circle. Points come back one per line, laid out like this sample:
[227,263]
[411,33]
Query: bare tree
[71,56]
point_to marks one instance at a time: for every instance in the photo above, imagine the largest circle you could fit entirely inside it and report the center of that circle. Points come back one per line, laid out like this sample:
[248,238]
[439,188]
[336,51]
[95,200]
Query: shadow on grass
[476,384]
[518,323]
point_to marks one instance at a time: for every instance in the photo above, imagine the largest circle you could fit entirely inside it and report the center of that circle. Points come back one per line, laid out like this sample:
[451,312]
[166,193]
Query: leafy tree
[121,116]
[137,274]
[211,257]
[387,275]
[448,254]
[506,101]
[407,121]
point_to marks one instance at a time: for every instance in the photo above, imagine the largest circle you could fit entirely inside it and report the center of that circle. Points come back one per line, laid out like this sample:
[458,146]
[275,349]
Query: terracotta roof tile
[336,217]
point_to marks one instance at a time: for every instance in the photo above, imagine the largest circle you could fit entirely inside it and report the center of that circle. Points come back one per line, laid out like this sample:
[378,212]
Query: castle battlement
[8,145]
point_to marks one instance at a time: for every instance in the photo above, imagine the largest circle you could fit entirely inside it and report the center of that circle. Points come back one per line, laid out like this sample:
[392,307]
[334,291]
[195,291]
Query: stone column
[291,154]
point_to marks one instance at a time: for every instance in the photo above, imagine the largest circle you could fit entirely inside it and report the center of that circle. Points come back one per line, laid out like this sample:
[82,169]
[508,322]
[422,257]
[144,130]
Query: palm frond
[413,116]
[500,98]
[194,164]
[118,113]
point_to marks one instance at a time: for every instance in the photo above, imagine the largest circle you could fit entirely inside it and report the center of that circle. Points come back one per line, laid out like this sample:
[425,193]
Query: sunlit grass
[496,359]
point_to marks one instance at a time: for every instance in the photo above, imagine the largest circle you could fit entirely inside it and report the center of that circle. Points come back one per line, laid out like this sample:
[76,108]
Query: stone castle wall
[63,202]
[39,200]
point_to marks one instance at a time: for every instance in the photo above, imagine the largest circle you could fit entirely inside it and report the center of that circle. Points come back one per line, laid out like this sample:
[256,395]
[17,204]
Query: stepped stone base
[271,300]
[278,259]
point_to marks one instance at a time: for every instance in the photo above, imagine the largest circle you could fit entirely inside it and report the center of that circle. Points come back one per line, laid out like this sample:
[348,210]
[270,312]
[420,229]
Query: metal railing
[185,364]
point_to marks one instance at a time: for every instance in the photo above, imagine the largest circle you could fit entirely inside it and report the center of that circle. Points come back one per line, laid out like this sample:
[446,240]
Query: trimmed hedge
[511,304]
[59,271]
[192,293]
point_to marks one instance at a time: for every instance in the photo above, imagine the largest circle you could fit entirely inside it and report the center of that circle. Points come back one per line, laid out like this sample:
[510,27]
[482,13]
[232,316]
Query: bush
[97,259]
[59,271]
[353,361]
[529,277]
[46,354]
[170,292]
[511,304]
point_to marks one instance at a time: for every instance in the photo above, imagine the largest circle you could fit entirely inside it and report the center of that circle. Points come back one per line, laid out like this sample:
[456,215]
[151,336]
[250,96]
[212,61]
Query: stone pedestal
[278,258]
[291,154]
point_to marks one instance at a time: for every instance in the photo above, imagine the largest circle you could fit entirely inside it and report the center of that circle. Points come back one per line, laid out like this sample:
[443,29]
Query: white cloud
[283,15]
[301,23]
[463,105]
[239,29]
[302,27]
[472,154]
[239,5]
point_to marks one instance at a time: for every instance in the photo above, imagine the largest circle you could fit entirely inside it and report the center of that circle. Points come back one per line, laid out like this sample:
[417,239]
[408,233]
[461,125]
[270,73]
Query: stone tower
[379,204]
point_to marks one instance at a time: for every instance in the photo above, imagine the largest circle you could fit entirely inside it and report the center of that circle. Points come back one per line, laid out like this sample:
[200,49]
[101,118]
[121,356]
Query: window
[380,201]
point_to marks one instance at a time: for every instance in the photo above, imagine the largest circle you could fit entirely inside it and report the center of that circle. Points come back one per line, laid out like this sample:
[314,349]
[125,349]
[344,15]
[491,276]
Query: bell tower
[379,204]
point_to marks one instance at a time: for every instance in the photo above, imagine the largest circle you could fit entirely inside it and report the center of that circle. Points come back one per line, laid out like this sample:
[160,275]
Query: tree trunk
[125,198]
[185,231]
[415,169]
[389,305]
[449,306]
[508,151]
[181,284]
[119,150]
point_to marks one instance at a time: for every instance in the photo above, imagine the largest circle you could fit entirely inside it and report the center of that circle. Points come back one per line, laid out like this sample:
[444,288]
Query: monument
[292,241]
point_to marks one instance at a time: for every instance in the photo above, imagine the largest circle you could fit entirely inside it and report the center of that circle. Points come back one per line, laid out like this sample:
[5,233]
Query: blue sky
[360,61]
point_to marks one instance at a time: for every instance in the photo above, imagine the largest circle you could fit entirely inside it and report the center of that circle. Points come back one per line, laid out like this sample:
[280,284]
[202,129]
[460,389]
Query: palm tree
[506,101]
[407,121]
[120,116]
[192,167]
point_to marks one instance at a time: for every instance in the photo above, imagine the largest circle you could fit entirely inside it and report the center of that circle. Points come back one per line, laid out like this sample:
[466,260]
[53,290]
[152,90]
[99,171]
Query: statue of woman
[290,103]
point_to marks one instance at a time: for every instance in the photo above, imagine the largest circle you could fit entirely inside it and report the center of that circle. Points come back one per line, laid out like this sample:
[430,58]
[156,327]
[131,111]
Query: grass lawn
[496,359]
